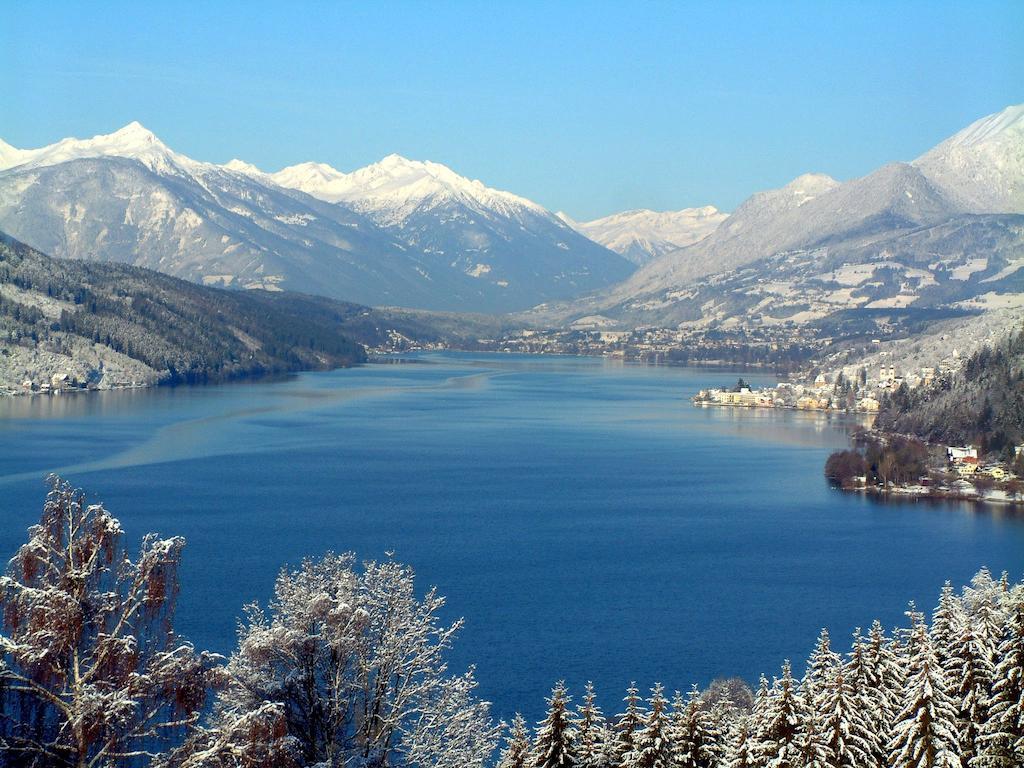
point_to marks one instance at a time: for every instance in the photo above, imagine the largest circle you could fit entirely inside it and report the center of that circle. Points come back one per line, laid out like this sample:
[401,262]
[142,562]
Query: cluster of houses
[965,462]
[827,393]
[58,382]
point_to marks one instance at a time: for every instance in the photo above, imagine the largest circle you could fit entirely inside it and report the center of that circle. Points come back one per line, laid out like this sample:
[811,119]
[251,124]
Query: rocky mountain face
[643,235]
[908,235]
[396,233]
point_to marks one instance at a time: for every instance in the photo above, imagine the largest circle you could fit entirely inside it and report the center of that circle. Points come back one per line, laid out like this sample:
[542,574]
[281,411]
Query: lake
[582,516]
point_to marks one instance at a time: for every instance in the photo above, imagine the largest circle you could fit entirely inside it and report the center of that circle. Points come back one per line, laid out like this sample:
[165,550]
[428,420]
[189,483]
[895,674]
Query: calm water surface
[582,516]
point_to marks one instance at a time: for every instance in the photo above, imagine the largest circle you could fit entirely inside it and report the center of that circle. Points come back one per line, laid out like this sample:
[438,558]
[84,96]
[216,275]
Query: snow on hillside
[982,166]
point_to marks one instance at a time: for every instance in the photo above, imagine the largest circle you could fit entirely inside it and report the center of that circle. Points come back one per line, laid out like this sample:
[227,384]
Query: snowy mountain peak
[981,168]
[641,235]
[240,166]
[393,188]
[134,141]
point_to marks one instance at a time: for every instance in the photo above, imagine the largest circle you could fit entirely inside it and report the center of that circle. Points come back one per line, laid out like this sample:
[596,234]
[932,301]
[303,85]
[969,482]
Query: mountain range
[942,230]
[399,232]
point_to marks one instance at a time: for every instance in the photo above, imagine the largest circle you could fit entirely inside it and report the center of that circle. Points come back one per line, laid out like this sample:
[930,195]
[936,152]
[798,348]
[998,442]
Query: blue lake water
[581,515]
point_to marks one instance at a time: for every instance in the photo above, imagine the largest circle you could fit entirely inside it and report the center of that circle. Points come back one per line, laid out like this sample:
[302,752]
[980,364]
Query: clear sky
[584,107]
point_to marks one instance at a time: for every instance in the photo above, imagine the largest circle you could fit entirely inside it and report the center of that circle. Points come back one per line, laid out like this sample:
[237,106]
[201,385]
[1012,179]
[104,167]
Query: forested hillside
[111,325]
[982,404]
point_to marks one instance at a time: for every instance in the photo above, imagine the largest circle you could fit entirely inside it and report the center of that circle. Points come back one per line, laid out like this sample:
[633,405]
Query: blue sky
[585,107]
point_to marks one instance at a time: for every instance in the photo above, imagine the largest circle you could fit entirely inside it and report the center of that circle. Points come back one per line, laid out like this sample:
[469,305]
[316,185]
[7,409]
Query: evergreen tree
[554,746]
[742,751]
[812,748]
[651,745]
[779,723]
[591,733]
[627,724]
[1002,739]
[695,734]
[969,672]
[925,732]
[517,745]
[849,733]
[946,622]
[822,661]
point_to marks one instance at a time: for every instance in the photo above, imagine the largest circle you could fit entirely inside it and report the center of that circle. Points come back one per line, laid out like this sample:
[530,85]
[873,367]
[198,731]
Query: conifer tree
[925,732]
[553,747]
[850,735]
[741,750]
[651,745]
[591,733]
[969,672]
[627,724]
[946,622]
[812,748]
[822,661]
[779,723]
[1002,739]
[695,734]
[517,745]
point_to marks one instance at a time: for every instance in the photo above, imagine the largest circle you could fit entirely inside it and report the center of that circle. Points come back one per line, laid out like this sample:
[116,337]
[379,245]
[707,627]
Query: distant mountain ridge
[783,237]
[643,235]
[399,232]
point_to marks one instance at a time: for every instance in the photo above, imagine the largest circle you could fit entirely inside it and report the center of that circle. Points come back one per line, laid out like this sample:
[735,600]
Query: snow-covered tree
[627,724]
[778,723]
[741,745]
[356,661]
[969,672]
[91,671]
[651,745]
[695,733]
[250,739]
[925,734]
[554,746]
[848,731]
[812,747]
[517,745]
[822,661]
[592,737]
[1002,738]
[946,622]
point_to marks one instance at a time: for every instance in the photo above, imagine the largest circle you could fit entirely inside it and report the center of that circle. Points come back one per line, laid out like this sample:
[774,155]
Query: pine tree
[627,724]
[695,734]
[812,748]
[554,746]
[925,732]
[946,622]
[850,735]
[517,745]
[591,733]
[741,750]
[969,672]
[779,723]
[1002,738]
[651,745]
[822,661]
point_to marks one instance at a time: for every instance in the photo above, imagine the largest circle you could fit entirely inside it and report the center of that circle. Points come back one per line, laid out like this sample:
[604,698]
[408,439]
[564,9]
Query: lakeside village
[888,464]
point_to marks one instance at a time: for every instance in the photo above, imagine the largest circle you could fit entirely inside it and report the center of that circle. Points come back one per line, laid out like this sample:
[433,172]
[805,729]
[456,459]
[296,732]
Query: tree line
[345,667]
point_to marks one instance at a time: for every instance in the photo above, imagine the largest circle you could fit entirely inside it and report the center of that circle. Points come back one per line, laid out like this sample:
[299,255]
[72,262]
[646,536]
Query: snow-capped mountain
[494,237]
[398,232]
[982,166]
[921,218]
[643,235]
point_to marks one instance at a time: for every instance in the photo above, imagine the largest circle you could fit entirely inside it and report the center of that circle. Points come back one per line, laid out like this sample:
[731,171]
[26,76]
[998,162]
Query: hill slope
[115,325]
